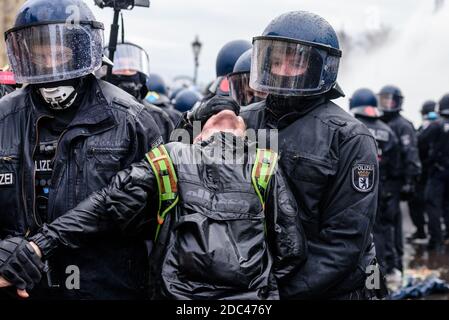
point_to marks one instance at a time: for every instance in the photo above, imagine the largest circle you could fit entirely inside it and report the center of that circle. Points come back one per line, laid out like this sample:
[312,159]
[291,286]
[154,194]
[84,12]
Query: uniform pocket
[106,158]
[308,167]
[10,185]
[102,163]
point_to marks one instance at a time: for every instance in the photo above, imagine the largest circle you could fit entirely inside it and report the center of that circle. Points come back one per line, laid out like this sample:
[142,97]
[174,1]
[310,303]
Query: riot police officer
[224,65]
[131,72]
[363,104]
[428,114]
[64,136]
[417,203]
[436,138]
[390,103]
[329,157]
[239,87]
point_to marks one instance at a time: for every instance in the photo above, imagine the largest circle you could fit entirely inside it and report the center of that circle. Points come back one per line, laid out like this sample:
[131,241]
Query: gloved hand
[407,190]
[19,263]
[203,111]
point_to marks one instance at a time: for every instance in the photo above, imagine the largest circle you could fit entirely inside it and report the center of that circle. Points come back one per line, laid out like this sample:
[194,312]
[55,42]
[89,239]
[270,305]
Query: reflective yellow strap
[167,181]
[262,171]
[254,177]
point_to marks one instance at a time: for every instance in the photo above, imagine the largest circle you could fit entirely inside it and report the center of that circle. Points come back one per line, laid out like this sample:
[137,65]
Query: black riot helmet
[443,106]
[53,41]
[131,69]
[186,99]
[428,106]
[239,87]
[428,110]
[390,99]
[298,54]
[364,103]
[228,56]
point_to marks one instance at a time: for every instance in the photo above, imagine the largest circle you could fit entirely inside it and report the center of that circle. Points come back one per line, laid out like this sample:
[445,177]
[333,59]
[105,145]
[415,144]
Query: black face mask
[284,102]
[134,85]
[69,94]
[279,106]
[389,115]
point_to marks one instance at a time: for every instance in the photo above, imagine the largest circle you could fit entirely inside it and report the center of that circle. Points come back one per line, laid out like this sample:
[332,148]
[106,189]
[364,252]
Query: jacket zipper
[56,151]
[34,171]
[106,150]
[324,163]
[34,168]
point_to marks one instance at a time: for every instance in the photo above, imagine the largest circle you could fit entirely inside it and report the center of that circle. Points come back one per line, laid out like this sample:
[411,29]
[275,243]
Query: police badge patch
[363,177]
[406,139]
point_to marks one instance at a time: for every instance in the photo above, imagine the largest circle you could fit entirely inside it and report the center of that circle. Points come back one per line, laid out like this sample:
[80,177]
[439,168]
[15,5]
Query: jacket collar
[94,109]
[282,111]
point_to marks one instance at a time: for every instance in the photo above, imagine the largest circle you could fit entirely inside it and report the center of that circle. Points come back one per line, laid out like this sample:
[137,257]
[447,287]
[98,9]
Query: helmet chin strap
[59,98]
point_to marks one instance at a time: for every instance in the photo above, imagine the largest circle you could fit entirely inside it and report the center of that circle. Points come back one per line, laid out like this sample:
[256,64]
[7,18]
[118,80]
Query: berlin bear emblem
[363,177]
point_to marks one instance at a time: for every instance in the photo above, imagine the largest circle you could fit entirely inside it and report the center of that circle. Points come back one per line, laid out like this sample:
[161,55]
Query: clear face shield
[55,52]
[130,59]
[387,102]
[286,67]
[240,90]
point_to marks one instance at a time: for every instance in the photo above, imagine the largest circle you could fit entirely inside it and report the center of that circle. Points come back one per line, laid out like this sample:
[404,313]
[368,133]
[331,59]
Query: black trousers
[417,206]
[437,193]
[388,228]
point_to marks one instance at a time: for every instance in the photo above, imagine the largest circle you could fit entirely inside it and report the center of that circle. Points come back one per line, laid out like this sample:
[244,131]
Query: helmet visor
[130,59]
[286,67]
[387,102]
[240,90]
[54,52]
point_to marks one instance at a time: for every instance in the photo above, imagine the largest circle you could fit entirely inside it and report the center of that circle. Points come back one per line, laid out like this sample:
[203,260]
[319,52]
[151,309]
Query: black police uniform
[388,155]
[436,138]
[408,172]
[109,131]
[330,160]
[417,205]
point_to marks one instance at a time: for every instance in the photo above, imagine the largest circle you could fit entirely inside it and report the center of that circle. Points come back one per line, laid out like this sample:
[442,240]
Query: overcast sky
[167,29]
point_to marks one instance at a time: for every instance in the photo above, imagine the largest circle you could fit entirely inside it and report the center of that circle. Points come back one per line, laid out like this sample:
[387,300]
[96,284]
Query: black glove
[19,263]
[210,107]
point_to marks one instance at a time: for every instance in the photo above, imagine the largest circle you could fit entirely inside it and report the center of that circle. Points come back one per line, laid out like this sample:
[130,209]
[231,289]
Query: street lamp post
[196,46]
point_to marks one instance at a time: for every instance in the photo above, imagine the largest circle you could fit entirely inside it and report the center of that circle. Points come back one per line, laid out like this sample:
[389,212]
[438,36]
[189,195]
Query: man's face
[124,66]
[387,101]
[224,121]
[125,72]
[289,64]
[49,57]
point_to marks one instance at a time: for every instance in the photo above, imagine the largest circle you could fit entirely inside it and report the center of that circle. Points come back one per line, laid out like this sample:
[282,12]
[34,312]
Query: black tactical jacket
[110,131]
[330,161]
[434,142]
[410,167]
